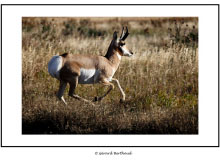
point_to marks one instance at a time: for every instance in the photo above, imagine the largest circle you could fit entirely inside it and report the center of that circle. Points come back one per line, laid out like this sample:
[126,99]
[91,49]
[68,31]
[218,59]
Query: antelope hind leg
[73,85]
[61,91]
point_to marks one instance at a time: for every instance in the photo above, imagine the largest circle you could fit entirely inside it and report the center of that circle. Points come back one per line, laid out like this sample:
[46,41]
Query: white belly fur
[54,66]
[88,76]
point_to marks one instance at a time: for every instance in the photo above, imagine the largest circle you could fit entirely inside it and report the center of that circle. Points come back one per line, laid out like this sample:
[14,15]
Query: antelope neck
[113,55]
[114,59]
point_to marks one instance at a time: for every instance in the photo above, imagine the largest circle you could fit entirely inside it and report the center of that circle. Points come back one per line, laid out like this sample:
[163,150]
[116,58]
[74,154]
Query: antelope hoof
[96,99]
[122,100]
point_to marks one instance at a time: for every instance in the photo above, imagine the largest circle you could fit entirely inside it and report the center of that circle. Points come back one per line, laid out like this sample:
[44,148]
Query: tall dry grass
[160,80]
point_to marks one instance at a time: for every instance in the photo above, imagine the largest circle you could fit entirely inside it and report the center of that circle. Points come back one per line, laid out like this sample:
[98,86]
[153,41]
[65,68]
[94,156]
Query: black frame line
[121,4]
[1,75]
[218,75]
[111,134]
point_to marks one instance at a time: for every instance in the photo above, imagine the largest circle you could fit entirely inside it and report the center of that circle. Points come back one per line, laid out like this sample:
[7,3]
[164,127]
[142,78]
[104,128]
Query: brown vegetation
[160,80]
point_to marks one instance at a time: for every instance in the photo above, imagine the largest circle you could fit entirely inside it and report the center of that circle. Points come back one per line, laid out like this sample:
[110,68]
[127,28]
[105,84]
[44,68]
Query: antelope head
[119,43]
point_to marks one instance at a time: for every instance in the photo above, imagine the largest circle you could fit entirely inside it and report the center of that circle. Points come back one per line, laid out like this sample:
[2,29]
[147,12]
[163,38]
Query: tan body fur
[73,63]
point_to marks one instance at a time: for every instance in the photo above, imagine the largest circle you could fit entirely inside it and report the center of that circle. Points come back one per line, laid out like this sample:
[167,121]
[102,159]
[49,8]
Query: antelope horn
[122,33]
[125,34]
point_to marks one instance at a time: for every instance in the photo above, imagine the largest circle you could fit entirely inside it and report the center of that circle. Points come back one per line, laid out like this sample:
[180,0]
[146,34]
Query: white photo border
[208,75]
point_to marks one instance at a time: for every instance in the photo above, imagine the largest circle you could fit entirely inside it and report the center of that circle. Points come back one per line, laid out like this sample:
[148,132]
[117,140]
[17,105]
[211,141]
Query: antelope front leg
[106,83]
[121,90]
[81,99]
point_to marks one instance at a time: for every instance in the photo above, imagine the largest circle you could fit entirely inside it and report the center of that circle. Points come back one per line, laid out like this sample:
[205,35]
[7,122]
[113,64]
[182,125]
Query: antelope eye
[122,43]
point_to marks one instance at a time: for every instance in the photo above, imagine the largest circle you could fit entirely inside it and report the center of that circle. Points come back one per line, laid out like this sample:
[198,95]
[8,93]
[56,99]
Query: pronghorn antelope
[90,69]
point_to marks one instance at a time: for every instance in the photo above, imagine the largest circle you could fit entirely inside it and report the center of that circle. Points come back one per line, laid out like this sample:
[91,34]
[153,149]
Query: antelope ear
[115,35]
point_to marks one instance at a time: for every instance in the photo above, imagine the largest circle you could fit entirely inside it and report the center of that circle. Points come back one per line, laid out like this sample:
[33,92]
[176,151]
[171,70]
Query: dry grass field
[160,81]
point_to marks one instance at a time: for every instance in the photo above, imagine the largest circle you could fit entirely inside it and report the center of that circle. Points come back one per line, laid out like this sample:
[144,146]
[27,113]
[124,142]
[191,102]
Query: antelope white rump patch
[54,66]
